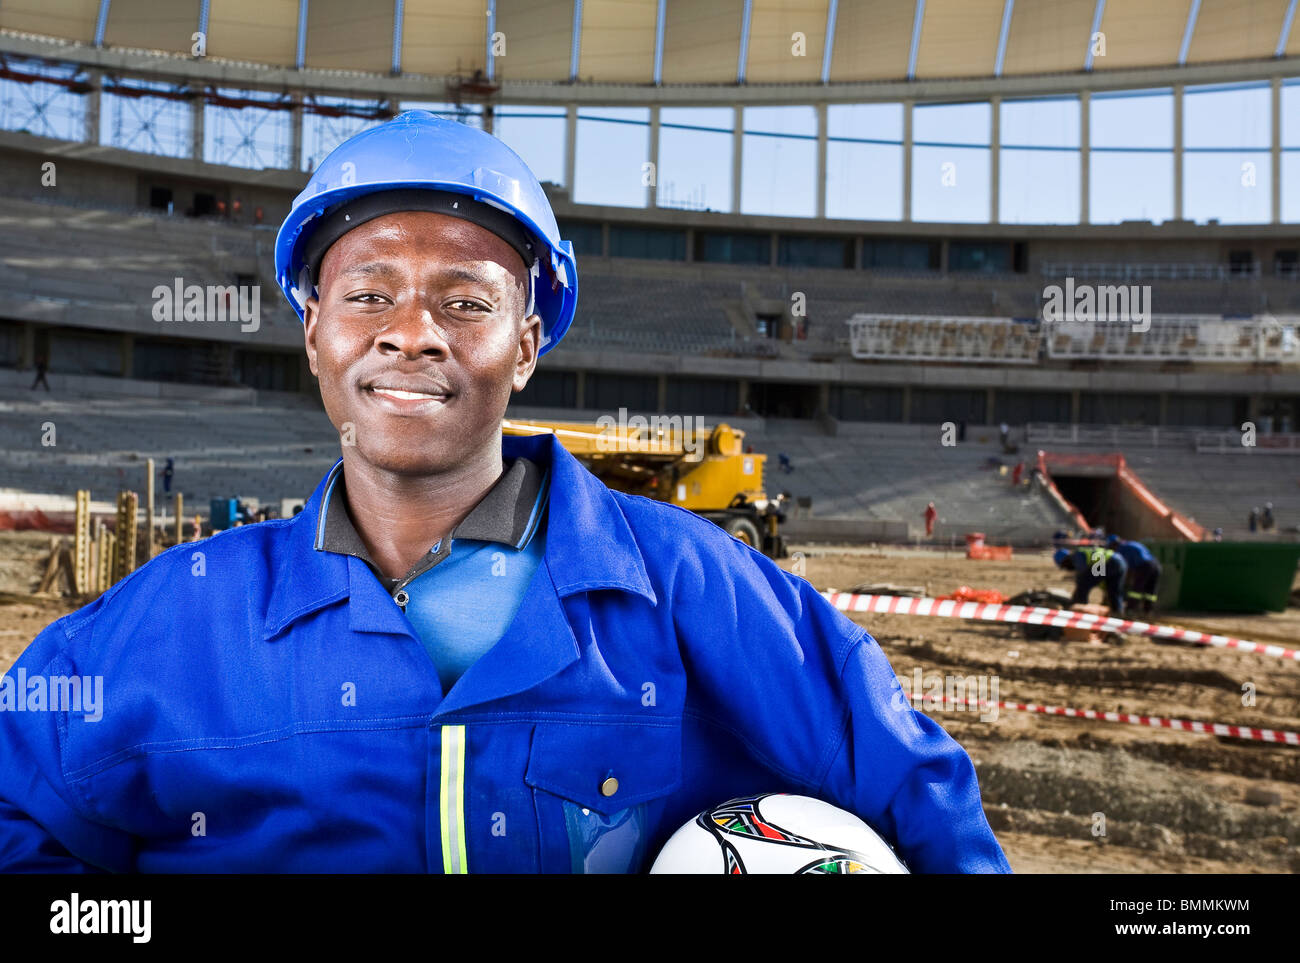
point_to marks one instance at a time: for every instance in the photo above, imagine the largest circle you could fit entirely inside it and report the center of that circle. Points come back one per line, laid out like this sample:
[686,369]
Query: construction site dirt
[1064,795]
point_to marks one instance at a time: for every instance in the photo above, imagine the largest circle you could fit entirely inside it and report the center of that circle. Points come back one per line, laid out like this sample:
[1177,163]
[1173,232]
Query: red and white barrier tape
[992,612]
[1208,728]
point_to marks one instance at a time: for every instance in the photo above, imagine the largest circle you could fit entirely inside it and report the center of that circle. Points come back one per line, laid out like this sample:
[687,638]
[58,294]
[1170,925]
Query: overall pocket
[599,789]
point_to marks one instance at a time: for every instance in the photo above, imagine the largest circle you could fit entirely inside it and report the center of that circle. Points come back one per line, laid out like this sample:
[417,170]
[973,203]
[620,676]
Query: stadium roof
[679,42]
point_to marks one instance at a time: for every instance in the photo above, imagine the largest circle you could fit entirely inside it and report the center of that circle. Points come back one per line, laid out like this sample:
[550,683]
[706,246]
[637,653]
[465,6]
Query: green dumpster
[1226,576]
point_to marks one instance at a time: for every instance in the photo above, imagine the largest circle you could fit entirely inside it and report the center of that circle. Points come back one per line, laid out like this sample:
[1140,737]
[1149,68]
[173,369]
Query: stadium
[1035,263]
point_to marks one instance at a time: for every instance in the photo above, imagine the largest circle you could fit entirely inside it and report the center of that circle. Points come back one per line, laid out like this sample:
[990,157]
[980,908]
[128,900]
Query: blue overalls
[269,707]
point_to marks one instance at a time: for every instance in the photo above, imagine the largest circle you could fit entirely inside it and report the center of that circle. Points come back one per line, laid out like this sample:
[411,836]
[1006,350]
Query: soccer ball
[776,833]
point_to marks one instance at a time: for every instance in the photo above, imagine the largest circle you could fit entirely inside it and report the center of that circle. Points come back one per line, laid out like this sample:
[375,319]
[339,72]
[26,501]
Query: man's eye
[366,298]
[460,304]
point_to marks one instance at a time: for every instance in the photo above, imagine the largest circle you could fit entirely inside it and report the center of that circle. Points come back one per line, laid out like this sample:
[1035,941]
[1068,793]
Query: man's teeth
[407,395]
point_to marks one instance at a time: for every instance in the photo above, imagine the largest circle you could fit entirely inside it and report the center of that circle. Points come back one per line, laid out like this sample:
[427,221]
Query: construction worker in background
[466,653]
[1016,473]
[1266,520]
[1143,572]
[1092,567]
[931,513]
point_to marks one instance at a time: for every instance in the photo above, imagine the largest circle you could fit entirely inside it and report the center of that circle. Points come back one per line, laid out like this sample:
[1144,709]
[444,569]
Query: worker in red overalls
[930,515]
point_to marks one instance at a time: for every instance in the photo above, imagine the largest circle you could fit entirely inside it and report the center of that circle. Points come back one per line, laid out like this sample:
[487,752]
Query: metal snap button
[401,598]
[609,786]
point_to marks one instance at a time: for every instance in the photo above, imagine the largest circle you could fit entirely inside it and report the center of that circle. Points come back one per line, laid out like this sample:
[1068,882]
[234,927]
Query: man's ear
[311,314]
[530,339]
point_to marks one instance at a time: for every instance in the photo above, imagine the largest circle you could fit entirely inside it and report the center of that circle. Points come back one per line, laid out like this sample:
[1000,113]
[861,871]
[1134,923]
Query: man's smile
[406,398]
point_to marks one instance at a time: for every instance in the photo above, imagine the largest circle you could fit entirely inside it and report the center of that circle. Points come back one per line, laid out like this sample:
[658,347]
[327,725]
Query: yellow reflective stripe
[452,800]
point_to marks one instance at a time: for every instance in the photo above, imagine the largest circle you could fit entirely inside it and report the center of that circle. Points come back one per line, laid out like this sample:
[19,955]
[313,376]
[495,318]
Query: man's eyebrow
[459,273]
[370,269]
[388,269]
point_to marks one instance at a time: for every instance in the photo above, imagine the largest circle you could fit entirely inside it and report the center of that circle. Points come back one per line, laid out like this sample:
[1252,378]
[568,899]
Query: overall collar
[508,514]
[589,546]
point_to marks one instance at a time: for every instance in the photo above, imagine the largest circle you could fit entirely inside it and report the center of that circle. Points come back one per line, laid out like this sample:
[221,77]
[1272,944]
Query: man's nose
[412,331]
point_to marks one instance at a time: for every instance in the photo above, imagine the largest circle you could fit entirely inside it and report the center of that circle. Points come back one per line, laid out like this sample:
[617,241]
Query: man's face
[419,337]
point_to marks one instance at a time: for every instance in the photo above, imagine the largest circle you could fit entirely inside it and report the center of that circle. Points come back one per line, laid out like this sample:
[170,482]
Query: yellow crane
[706,471]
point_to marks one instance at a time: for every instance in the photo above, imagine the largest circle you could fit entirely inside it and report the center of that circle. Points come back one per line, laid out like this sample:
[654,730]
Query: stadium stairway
[890,472]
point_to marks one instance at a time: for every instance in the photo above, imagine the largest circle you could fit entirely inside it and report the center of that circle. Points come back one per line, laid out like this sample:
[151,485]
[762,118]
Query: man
[931,513]
[1092,567]
[1143,571]
[41,367]
[466,653]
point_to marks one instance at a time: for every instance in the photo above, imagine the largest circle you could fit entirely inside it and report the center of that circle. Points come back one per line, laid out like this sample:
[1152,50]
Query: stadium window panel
[610,392]
[1204,411]
[1038,176]
[695,158]
[900,255]
[938,405]
[1227,169]
[826,252]
[852,403]
[548,389]
[267,370]
[1021,407]
[1119,409]
[988,257]
[11,343]
[240,134]
[864,161]
[43,108]
[1132,160]
[329,121]
[950,162]
[1291,185]
[81,351]
[733,247]
[1291,151]
[613,151]
[160,359]
[650,243]
[134,115]
[585,237]
[537,135]
[702,396]
[779,161]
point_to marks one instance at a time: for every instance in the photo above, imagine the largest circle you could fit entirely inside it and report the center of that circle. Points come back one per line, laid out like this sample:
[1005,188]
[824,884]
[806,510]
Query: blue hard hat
[418,150]
[1061,556]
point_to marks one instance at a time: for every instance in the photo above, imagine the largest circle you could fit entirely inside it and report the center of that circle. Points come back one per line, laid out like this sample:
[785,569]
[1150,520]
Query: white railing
[1150,271]
[938,338]
[1178,338]
[1202,439]
[1196,338]
[1231,443]
[1119,436]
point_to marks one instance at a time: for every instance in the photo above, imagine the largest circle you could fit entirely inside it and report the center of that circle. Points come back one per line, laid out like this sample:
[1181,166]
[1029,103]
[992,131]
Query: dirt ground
[1063,795]
[1169,801]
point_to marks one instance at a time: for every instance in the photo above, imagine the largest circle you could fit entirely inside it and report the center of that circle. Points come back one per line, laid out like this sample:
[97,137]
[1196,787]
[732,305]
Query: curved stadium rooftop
[670,45]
